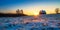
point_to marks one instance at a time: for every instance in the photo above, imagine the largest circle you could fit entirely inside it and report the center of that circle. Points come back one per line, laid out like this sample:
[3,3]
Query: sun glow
[36,13]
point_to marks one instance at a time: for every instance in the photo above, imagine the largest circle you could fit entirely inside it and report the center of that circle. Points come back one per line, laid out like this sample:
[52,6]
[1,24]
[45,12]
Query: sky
[29,7]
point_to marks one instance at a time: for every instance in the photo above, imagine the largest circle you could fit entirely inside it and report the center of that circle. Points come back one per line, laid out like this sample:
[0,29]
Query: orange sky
[32,12]
[35,11]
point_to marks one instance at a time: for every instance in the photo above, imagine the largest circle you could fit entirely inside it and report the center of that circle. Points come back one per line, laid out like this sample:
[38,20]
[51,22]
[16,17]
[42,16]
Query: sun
[36,13]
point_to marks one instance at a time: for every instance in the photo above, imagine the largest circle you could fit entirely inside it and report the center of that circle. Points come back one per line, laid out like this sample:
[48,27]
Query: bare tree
[17,11]
[57,10]
[21,11]
[42,12]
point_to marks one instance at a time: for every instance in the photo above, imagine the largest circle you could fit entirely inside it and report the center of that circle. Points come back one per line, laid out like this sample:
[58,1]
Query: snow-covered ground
[30,23]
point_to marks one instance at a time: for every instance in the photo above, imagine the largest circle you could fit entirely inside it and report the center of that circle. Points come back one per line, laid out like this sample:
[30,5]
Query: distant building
[42,12]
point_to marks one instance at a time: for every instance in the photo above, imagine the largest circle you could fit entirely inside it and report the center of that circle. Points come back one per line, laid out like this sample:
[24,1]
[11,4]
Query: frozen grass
[30,23]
